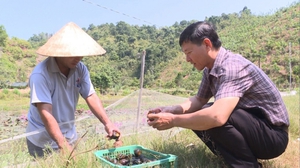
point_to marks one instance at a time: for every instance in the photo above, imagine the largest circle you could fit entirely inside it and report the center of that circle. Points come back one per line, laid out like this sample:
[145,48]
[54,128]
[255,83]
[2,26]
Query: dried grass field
[189,150]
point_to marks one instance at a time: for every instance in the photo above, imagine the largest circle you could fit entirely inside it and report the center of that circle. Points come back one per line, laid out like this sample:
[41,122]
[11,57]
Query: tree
[245,12]
[178,79]
[3,36]
[39,40]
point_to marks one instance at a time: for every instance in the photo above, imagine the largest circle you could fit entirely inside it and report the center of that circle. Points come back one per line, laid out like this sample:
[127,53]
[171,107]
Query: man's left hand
[161,121]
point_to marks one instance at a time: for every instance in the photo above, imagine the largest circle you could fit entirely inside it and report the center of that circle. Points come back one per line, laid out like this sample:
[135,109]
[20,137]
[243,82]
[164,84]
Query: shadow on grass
[190,152]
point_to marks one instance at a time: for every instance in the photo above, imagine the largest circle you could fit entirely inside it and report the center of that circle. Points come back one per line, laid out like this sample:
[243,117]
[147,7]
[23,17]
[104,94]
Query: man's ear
[207,43]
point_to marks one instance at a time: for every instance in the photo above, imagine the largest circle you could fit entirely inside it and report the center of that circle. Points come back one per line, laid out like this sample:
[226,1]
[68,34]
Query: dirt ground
[15,124]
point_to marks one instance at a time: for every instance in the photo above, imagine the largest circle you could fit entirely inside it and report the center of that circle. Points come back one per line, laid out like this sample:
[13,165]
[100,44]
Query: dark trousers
[245,138]
[36,151]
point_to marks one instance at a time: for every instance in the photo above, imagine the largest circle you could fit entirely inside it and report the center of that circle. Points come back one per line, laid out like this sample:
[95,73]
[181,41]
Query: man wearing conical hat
[55,85]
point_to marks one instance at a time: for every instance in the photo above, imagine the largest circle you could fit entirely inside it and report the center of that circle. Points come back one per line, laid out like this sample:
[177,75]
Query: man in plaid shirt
[247,120]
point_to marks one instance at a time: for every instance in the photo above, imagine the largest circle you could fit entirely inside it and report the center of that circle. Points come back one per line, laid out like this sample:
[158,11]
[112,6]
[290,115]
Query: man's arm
[189,106]
[210,117]
[96,107]
[51,125]
[193,104]
[204,119]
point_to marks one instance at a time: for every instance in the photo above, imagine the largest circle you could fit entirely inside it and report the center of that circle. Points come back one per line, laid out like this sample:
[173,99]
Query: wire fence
[123,113]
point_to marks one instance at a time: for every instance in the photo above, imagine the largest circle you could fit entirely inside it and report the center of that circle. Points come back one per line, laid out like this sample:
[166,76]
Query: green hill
[263,39]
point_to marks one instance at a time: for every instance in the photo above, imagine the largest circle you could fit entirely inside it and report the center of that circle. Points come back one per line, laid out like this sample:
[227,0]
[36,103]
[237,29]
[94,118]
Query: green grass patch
[191,152]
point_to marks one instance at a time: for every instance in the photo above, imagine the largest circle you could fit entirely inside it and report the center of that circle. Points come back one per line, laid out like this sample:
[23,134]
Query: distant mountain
[263,39]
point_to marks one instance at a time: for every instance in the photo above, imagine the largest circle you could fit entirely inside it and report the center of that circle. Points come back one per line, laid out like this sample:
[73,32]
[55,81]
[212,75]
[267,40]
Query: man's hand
[111,128]
[115,135]
[153,111]
[161,121]
[96,107]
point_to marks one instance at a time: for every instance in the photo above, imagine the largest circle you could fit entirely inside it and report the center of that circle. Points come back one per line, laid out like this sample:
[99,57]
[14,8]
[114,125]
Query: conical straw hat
[70,41]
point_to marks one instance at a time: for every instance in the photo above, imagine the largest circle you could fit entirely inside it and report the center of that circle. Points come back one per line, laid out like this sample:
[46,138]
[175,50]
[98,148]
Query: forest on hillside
[270,41]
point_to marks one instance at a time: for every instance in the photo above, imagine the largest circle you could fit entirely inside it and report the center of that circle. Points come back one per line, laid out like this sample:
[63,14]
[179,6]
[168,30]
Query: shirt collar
[52,65]
[217,69]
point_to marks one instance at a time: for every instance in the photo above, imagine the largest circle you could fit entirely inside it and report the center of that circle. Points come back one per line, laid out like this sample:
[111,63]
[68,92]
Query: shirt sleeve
[40,89]
[234,81]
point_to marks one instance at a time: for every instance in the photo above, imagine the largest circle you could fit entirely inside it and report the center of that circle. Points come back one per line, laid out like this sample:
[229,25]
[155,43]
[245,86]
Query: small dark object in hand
[115,135]
[153,112]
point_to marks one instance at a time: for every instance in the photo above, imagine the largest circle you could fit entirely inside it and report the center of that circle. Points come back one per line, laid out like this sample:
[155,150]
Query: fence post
[141,89]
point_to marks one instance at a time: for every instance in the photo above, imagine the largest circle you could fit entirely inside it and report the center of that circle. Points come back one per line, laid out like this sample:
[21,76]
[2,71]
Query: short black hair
[197,32]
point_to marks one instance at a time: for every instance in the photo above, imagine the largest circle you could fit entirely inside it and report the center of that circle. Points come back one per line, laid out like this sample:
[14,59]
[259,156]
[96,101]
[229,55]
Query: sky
[23,19]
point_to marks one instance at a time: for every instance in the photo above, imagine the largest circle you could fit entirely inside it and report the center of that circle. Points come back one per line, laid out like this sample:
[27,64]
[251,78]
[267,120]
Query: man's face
[196,54]
[68,62]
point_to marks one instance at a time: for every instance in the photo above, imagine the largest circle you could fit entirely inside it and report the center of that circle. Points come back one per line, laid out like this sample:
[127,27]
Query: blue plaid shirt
[234,76]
